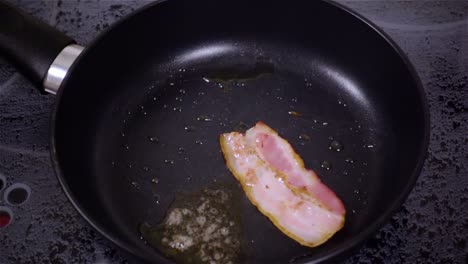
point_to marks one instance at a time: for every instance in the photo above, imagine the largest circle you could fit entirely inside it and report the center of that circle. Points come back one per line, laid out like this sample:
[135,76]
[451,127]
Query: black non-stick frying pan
[138,115]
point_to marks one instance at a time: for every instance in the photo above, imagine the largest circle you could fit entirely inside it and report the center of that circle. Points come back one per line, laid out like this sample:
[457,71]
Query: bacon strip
[274,179]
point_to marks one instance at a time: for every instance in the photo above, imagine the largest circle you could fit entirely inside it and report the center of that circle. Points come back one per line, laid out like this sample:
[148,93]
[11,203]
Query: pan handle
[33,47]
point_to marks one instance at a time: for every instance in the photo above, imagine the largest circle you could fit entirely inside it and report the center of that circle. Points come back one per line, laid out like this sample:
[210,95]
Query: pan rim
[341,250]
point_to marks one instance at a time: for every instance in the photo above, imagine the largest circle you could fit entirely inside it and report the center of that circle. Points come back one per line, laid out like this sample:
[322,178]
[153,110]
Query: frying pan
[149,98]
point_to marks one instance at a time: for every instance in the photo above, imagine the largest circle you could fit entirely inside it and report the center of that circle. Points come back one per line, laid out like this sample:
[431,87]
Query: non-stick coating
[128,113]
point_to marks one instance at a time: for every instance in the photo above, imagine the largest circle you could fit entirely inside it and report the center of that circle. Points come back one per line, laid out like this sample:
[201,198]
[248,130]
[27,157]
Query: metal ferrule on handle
[59,68]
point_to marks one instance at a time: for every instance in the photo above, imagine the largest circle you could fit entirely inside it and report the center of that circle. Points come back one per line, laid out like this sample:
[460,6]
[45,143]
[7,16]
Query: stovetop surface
[431,226]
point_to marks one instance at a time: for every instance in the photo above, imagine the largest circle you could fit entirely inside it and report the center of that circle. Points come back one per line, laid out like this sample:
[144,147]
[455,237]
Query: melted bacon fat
[275,180]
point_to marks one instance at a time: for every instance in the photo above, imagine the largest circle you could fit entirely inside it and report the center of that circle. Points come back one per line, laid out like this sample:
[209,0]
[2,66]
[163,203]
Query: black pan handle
[29,44]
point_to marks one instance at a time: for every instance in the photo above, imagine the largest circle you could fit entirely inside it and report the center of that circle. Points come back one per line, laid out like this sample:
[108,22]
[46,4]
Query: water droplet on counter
[122,134]
[130,165]
[182,91]
[206,79]
[294,100]
[326,165]
[155,98]
[199,142]
[353,211]
[171,84]
[359,179]
[153,139]
[126,147]
[129,112]
[356,191]
[349,160]
[189,128]
[146,168]
[112,164]
[204,118]
[335,146]
[294,114]
[325,123]
[345,173]
[168,161]
[369,146]
[144,113]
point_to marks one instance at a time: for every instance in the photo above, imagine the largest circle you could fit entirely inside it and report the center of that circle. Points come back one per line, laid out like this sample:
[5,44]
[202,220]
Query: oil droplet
[168,161]
[156,198]
[126,147]
[177,109]
[206,79]
[326,165]
[294,100]
[182,91]
[189,128]
[349,160]
[304,137]
[146,168]
[180,150]
[199,142]
[369,146]
[171,84]
[335,146]
[356,191]
[342,103]
[155,98]
[155,180]
[153,139]
[353,211]
[204,118]
[135,184]
[241,127]
[294,114]
[144,113]
[325,123]
[130,165]
[122,134]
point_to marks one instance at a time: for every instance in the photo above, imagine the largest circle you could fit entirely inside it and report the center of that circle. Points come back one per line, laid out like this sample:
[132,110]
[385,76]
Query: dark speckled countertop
[431,227]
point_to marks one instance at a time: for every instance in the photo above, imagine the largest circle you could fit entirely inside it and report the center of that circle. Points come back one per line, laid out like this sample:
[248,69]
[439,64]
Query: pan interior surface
[139,118]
